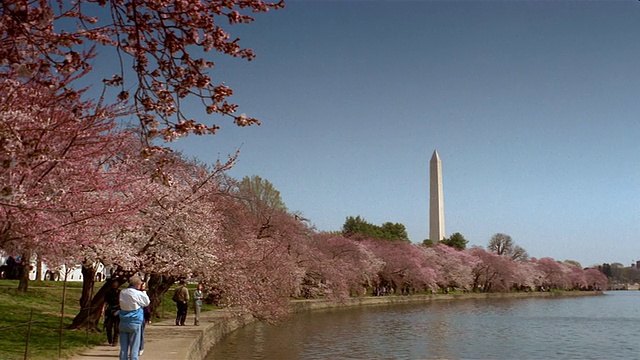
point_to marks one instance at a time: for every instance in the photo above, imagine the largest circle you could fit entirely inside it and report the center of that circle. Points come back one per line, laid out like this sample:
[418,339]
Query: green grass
[35,315]
[42,304]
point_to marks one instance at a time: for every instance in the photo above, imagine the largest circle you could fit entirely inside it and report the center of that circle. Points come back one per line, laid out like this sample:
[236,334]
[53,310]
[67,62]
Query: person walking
[181,297]
[146,311]
[112,313]
[132,300]
[198,296]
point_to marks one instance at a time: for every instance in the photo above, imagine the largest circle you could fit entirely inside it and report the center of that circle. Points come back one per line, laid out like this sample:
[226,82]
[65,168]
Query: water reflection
[574,328]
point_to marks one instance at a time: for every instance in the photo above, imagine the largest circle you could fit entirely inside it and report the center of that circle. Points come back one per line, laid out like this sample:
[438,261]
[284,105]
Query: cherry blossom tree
[527,276]
[554,273]
[172,233]
[341,268]
[455,267]
[196,228]
[62,184]
[53,42]
[105,247]
[576,278]
[596,280]
[405,265]
[493,273]
[260,267]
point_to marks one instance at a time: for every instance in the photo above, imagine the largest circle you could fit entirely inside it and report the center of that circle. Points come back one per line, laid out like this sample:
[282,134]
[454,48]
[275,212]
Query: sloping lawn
[30,322]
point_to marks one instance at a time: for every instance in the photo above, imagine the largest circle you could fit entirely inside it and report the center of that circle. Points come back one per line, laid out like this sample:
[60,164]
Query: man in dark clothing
[111,311]
[181,297]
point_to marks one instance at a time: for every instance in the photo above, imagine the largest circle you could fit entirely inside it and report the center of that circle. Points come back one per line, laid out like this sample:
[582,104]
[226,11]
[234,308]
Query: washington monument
[436,200]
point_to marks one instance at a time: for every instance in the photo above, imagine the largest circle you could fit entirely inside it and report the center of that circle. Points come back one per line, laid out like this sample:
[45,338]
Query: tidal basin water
[589,327]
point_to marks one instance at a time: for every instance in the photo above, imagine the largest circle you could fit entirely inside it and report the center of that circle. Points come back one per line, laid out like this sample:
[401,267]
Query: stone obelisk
[436,200]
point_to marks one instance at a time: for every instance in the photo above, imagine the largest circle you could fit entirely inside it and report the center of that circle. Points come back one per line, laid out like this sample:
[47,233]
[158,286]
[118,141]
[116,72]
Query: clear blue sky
[532,106]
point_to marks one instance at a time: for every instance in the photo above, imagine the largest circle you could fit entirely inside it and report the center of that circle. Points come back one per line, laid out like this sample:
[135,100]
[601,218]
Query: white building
[7,270]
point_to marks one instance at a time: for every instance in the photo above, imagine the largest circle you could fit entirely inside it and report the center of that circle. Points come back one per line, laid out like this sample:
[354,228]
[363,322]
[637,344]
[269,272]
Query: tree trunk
[91,311]
[90,314]
[158,285]
[88,282]
[39,270]
[23,272]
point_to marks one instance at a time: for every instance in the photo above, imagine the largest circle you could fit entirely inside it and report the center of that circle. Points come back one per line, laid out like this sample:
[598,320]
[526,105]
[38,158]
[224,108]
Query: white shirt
[133,299]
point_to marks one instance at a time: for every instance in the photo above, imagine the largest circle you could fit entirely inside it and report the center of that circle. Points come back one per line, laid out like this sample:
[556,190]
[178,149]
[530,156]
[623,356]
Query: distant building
[8,270]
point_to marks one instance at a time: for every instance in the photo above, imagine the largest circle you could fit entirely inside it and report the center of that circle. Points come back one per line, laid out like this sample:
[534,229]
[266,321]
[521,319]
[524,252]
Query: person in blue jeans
[147,320]
[132,302]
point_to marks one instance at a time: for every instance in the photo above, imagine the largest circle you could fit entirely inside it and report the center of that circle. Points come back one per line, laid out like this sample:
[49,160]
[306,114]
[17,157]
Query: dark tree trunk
[88,282]
[39,270]
[91,309]
[158,285]
[91,316]
[23,272]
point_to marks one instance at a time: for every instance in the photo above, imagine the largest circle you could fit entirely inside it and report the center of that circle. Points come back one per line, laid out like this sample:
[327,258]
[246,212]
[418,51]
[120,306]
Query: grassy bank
[30,322]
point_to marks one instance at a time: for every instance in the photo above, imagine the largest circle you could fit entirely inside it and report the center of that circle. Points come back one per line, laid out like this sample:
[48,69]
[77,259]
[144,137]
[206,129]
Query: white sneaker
[140,352]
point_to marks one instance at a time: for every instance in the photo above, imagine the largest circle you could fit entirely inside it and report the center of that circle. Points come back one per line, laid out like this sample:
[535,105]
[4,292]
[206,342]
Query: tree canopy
[502,244]
[68,174]
[456,240]
[71,176]
[159,47]
[259,194]
[357,226]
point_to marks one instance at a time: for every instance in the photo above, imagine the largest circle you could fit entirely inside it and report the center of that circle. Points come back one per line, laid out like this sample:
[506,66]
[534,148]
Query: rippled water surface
[591,327]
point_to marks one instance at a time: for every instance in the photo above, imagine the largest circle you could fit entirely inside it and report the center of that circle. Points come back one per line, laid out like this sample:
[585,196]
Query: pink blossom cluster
[165,42]
[65,171]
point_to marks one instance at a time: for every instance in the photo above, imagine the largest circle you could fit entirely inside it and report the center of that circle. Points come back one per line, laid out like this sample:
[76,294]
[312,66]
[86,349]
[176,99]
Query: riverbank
[306,305]
[165,341]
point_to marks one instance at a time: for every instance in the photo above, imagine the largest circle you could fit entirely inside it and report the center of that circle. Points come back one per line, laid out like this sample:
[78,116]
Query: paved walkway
[165,340]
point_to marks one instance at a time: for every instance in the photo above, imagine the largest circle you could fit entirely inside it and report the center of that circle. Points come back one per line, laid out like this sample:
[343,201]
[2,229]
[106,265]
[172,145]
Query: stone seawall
[165,341]
[305,305]
[217,325]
